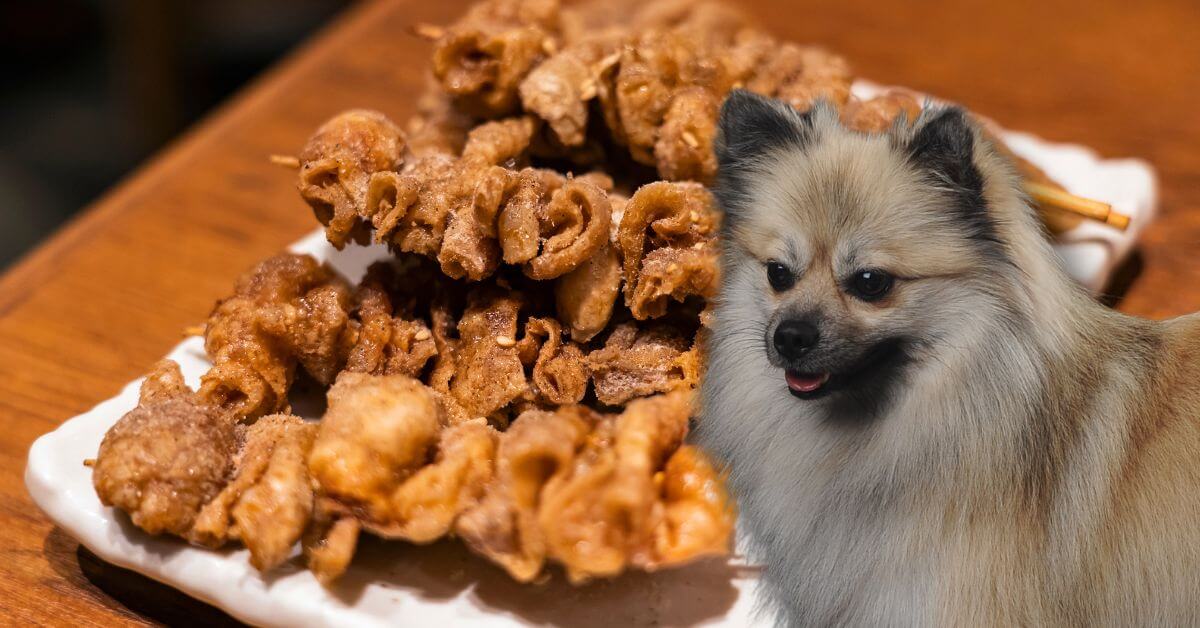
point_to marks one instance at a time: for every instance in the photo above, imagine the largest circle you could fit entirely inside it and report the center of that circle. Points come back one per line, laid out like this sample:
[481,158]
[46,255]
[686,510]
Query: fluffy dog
[927,422]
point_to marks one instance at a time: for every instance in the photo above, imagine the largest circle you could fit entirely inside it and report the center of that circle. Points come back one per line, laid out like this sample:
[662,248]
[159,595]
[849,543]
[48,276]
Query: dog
[925,421]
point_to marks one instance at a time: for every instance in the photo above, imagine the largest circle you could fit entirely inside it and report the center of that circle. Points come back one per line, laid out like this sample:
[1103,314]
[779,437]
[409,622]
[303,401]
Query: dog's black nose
[794,338]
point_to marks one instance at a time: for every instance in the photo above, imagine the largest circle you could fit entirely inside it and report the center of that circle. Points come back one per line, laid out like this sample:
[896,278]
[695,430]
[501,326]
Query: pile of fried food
[520,374]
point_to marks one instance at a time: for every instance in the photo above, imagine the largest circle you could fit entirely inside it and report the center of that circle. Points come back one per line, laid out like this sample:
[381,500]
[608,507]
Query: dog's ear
[943,145]
[751,126]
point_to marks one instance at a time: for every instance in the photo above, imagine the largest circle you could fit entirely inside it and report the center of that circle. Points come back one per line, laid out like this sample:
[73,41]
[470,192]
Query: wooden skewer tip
[287,161]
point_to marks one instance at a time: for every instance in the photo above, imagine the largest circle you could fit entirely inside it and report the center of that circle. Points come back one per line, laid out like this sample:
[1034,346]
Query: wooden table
[96,304]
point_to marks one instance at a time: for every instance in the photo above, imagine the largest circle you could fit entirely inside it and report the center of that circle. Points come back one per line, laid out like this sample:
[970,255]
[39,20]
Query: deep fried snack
[438,128]
[488,373]
[425,506]
[637,362]
[878,114]
[559,89]
[500,142]
[667,240]
[391,340]
[559,374]
[470,213]
[683,150]
[166,458]
[601,514]
[268,503]
[481,59]
[286,310]
[329,545]
[585,296]
[573,226]
[504,527]
[698,515]
[377,429]
[336,165]
[599,493]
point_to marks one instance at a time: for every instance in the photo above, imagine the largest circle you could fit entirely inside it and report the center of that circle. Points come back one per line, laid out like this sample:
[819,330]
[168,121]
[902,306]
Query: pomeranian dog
[925,420]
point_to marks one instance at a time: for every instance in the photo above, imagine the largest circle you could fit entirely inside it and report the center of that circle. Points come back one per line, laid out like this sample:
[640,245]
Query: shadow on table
[446,570]
[138,594]
[439,572]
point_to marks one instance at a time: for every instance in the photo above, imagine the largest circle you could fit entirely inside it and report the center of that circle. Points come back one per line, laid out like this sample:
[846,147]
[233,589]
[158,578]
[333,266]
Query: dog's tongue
[806,382]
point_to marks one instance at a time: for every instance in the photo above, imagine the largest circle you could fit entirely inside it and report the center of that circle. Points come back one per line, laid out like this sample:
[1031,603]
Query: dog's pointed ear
[751,126]
[943,145]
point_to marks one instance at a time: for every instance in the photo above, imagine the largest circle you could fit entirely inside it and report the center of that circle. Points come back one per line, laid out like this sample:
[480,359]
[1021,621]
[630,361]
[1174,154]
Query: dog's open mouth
[806,385]
[883,360]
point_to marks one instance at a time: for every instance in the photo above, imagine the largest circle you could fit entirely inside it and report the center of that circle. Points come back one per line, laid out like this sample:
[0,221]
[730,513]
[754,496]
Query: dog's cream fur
[1037,461]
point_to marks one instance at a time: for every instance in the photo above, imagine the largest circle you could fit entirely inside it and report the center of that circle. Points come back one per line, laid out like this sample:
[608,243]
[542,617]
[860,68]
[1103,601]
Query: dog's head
[849,255]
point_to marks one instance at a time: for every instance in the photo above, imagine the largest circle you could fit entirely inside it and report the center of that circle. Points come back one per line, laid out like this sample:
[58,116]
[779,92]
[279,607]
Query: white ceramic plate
[443,585]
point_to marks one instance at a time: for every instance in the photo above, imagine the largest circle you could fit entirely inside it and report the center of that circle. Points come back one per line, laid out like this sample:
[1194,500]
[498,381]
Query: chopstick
[1049,196]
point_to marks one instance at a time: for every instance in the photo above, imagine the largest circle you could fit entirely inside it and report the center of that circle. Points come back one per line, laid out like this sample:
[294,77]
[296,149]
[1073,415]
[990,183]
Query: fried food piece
[329,546]
[389,343]
[503,527]
[481,59]
[166,458]
[878,114]
[667,240]
[603,513]
[698,517]
[651,69]
[377,429]
[585,296]
[640,362]
[470,214]
[812,74]
[559,89]
[488,374]
[683,150]
[599,493]
[268,504]
[425,506]
[286,310]
[560,374]
[336,166]
[438,128]
[500,142]
[518,225]
[574,225]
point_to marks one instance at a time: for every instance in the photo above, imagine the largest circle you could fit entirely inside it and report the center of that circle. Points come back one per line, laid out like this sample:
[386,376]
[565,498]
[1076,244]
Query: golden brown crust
[667,240]
[637,362]
[481,59]
[288,309]
[336,165]
[164,460]
[268,503]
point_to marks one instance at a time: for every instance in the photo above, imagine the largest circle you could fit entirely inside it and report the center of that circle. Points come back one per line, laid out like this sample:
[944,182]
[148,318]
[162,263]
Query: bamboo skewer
[1049,196]
[287,161]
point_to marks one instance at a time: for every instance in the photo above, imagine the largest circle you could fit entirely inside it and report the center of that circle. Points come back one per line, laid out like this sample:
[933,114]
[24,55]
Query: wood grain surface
[99,302]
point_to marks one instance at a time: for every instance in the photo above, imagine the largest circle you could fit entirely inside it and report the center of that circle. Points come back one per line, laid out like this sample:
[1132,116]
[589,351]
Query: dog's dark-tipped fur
[976,443]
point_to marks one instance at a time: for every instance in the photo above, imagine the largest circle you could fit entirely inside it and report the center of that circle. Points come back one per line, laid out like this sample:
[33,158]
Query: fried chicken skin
[377,429]
[268,503]
[165,459]
[667,238]
[504,527]
[599,493]
[336,166]
[289,309]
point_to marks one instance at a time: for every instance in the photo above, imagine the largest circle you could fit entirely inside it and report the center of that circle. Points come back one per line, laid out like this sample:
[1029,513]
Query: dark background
[90,88]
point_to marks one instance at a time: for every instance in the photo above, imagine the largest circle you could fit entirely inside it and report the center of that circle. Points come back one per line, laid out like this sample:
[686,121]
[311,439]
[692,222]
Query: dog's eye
[779,276]
[869,285]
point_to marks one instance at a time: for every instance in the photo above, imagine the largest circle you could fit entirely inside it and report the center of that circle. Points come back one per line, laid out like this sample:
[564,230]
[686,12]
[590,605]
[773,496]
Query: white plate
[442,584]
